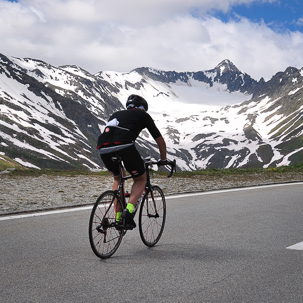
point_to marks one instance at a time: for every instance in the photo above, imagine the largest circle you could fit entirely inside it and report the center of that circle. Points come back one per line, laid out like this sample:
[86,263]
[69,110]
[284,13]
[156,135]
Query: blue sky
[261,37]
[279,15]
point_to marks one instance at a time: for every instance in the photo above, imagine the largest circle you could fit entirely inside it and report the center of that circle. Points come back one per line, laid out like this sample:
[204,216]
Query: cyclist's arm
[154,131]
[162,147]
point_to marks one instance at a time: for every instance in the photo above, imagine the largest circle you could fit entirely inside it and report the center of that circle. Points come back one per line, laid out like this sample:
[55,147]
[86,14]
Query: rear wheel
[103,236]
[152,216]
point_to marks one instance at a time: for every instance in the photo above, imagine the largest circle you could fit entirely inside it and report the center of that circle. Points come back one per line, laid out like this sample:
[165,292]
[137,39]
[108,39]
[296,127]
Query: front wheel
[152,216]
[103,236]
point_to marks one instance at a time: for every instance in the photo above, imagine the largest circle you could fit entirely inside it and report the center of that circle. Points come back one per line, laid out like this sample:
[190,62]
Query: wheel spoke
[104,237]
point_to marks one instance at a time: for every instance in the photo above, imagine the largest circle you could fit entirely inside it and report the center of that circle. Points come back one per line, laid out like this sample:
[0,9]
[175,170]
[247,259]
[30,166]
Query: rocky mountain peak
[227,65]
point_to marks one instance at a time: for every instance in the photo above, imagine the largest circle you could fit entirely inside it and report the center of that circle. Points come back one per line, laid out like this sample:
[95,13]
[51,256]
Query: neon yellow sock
[118,216]
[130,207]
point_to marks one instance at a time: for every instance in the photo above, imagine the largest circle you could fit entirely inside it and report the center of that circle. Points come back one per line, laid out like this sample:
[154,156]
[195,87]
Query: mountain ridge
[51,116]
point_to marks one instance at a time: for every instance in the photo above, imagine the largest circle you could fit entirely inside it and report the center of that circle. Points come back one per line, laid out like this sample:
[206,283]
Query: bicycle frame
[119,192]
[105,234]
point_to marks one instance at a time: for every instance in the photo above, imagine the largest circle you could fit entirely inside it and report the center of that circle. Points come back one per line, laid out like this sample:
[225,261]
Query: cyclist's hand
[167,163]
[162,162]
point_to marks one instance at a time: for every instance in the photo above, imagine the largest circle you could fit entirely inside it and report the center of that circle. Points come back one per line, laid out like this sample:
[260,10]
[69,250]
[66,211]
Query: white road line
[298,246]
[66,210]
[45,213]
[230,190]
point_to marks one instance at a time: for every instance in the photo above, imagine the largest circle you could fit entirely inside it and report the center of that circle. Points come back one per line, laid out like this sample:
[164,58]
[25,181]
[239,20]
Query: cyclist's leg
[113,168]
[135,166]
[118,208]
[117,179]
[137,189]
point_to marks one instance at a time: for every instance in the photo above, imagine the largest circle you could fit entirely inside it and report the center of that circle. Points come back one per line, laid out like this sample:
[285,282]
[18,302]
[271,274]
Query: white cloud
[123,35]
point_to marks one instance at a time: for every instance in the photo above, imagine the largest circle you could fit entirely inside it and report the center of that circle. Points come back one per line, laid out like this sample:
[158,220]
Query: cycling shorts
[131,158]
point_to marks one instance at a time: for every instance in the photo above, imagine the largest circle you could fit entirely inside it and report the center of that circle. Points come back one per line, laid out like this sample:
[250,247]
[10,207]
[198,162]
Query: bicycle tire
[103,236]
[152,216]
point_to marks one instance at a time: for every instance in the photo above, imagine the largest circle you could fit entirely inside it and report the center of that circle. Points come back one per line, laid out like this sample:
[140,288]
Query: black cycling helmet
[136,101]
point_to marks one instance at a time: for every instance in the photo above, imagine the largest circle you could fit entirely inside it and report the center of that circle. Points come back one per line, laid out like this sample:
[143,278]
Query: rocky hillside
[50,117]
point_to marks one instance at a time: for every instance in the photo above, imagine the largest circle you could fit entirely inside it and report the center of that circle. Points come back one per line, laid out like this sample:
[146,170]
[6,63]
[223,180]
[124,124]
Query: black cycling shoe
[119,225]
[129,219]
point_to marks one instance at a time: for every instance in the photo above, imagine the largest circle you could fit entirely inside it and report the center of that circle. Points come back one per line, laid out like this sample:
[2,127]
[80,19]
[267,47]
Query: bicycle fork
[149,215]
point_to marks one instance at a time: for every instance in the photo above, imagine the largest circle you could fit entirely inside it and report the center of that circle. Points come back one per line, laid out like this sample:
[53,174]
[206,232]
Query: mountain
[50,117]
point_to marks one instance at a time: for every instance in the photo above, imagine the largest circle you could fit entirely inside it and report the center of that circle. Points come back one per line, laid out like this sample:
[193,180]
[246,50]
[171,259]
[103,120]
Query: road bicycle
[105,235]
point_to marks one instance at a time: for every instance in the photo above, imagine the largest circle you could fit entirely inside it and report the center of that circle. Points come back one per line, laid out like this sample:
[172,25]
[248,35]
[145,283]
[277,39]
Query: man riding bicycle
[118,138]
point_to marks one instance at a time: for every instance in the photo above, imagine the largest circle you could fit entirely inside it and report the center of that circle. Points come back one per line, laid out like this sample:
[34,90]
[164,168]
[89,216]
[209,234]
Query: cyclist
[118,138]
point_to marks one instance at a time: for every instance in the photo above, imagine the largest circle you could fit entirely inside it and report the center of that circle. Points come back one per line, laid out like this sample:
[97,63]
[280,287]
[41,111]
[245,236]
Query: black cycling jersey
[121,131]
[136,120]
[125,126]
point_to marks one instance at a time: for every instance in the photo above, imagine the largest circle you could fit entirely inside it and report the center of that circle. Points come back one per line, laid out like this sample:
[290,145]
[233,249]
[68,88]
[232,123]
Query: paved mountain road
[224,246]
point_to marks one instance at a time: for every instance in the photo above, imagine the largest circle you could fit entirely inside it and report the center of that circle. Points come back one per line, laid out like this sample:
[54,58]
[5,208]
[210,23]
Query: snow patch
[27,164]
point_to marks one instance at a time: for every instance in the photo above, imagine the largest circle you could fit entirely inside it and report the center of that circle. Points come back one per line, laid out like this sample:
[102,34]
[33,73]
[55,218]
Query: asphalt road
[225,246]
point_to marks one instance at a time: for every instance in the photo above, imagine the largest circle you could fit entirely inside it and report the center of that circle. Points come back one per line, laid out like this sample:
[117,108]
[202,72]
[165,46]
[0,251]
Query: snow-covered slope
[51,116]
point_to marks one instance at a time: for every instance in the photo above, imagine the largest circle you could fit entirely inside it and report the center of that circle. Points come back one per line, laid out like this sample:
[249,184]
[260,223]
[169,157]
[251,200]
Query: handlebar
[172,165]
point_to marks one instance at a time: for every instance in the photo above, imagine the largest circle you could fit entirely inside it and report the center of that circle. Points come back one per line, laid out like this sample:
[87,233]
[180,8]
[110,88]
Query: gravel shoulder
[27,193]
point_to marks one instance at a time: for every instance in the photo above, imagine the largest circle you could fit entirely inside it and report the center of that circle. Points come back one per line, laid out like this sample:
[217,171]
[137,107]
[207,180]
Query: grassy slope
[8,163]
[16,168]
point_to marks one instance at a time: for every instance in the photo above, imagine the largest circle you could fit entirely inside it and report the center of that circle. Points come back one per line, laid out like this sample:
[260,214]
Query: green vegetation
[238,171]
[8,163]
[17,169]
[21,171]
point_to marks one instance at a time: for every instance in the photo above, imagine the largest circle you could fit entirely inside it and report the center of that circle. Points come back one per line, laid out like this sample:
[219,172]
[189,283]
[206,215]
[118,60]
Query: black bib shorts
[131,158]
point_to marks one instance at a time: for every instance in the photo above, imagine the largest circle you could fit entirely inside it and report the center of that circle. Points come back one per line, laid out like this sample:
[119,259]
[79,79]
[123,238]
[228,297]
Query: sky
[261,37]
